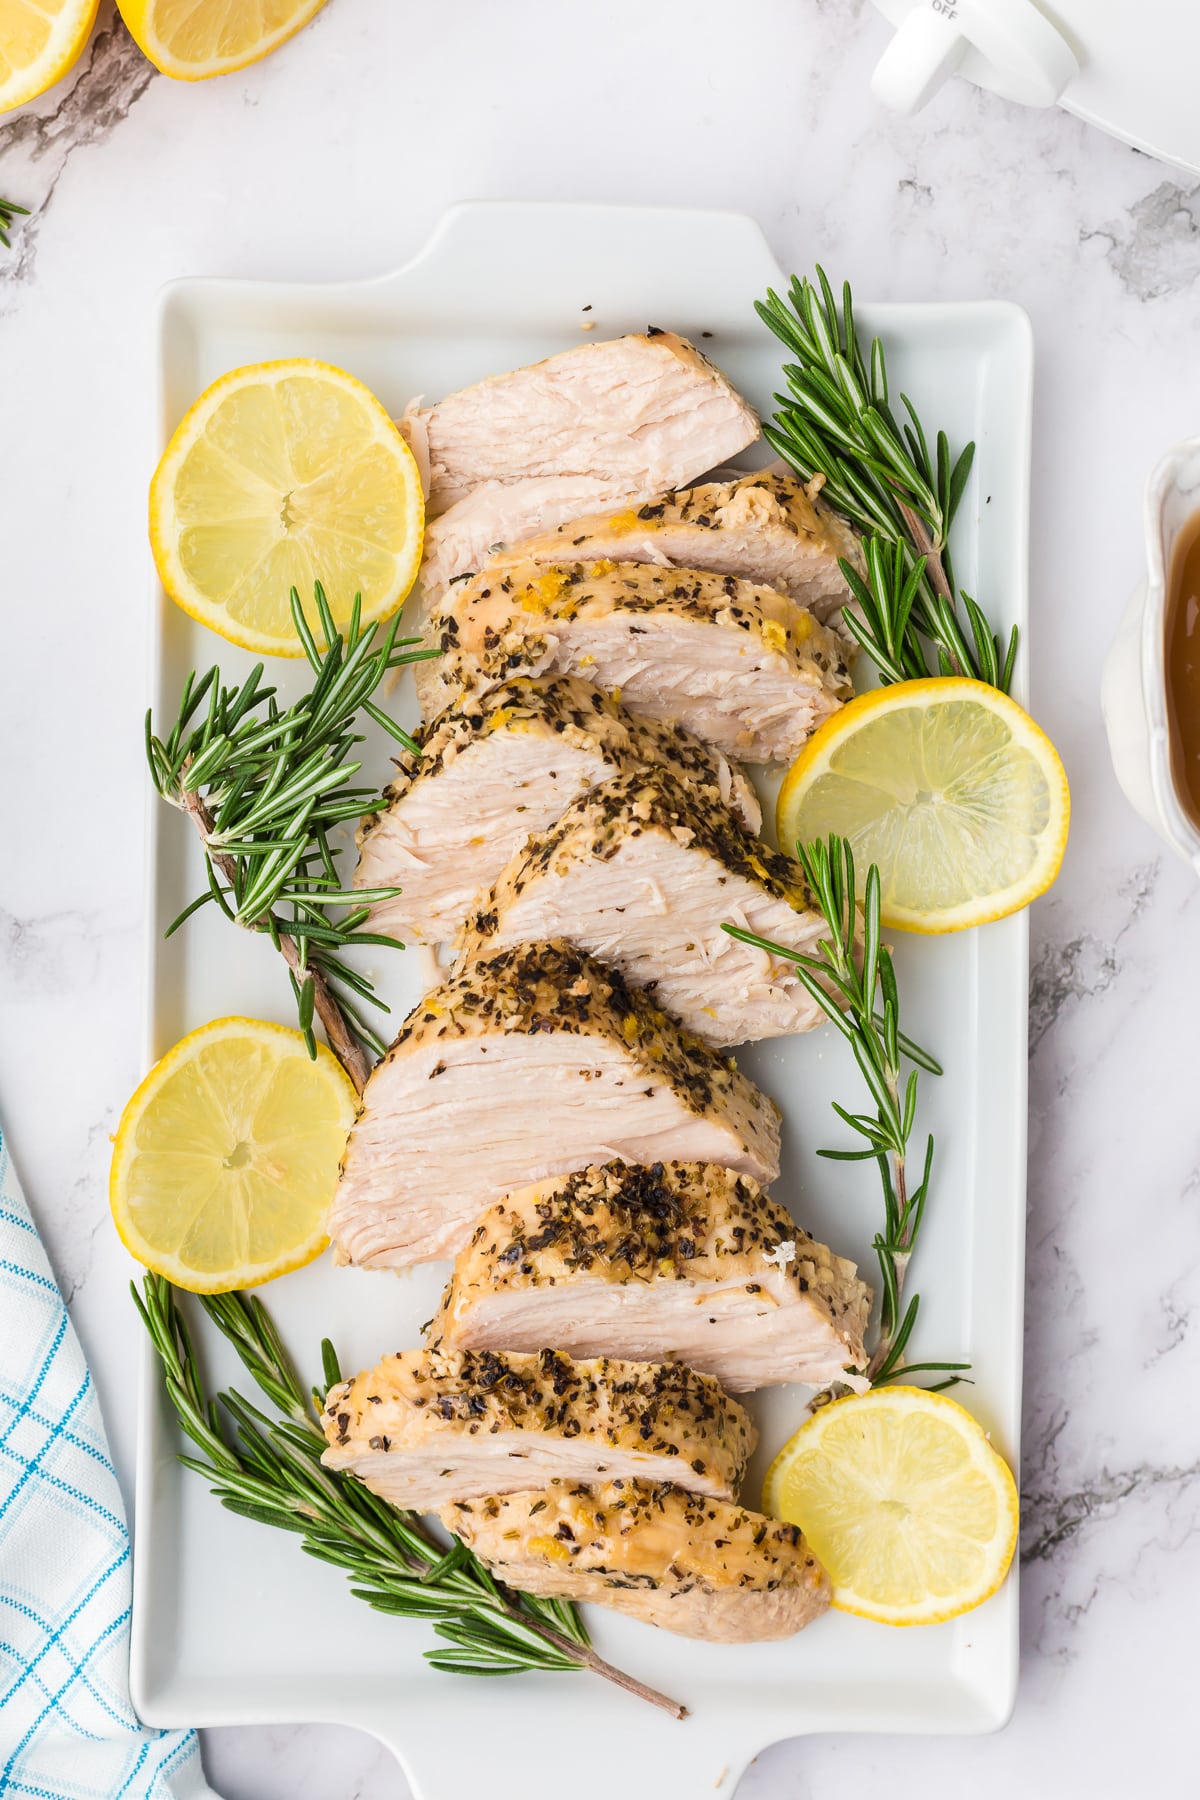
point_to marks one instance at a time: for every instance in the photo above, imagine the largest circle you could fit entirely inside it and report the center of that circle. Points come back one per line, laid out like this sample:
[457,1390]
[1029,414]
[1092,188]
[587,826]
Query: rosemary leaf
[835,424]
[264,785]
[270,1471]
[9,210]
[860,968]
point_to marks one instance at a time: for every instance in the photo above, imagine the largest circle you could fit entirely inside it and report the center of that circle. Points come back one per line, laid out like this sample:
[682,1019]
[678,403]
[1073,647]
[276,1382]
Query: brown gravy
[1183,667]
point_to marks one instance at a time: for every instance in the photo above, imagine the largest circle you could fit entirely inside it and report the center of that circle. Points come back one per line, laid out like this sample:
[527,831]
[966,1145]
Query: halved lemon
[903,1500]
[193,39]
[39,41]
[948,786]
[227,1156]
[283,474]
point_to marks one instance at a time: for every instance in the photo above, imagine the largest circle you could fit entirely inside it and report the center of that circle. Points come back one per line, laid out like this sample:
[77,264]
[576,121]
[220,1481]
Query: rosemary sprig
[9,210]
[269,1469]
[837,424]
[858,994]
[265,787]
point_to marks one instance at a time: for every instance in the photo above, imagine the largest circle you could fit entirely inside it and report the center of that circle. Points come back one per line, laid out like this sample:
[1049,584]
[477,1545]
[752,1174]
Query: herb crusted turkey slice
[608,424]
[740,666]
[498,765]
[643,873]
[427,1427]
[459,541]
[681,1262]
[530,1063]
[763,527]
[696,1566]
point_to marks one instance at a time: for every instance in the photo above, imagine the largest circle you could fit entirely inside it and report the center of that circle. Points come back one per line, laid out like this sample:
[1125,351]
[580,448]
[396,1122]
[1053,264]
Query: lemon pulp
[948,787]
[281,475]
[903,1500]
[194,39]
[39,41]
[227,1156]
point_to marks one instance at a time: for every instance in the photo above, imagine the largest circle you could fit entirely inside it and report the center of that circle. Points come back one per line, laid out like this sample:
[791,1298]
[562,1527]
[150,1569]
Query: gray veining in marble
[37,145]
[1084,965]
[1155,249]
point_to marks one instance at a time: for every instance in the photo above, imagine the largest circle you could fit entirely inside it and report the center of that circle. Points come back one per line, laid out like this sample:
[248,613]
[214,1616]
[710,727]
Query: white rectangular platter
[232,1623]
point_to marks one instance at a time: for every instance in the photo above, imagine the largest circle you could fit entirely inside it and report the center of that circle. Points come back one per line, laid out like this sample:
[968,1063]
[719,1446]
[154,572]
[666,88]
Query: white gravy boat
[1133,692]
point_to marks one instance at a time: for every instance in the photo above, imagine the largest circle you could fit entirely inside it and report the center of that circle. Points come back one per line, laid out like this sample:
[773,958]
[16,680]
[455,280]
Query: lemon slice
[945,784]
[193,39]
[39,41]
[903,1500]
[283,474]
[227,1156]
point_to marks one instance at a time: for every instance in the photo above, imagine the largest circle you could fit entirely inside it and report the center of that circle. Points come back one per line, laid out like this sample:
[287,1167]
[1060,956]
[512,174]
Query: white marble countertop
[333,159]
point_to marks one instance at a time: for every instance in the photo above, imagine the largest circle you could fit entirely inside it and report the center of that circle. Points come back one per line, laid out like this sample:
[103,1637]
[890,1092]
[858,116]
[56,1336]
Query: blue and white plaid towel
[67,1727]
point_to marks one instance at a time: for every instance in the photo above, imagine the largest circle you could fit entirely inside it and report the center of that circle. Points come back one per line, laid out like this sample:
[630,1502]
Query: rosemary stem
[342,1041]
[901,1251]
[896,483]
[918,531]
[265,786]
[853,979]
[587,1658]
[271,1470]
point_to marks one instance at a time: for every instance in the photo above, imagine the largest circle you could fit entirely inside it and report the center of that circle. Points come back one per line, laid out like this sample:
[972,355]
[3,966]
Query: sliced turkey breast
[427,1427]
[642,874]
[682,1262]
[495,767]
[696,1566]
[496,513]
[526,1064]
[741,666]
[646,411]
[765,528]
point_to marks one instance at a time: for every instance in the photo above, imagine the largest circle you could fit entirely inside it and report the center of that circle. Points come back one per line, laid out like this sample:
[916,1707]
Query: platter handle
[543,1757]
